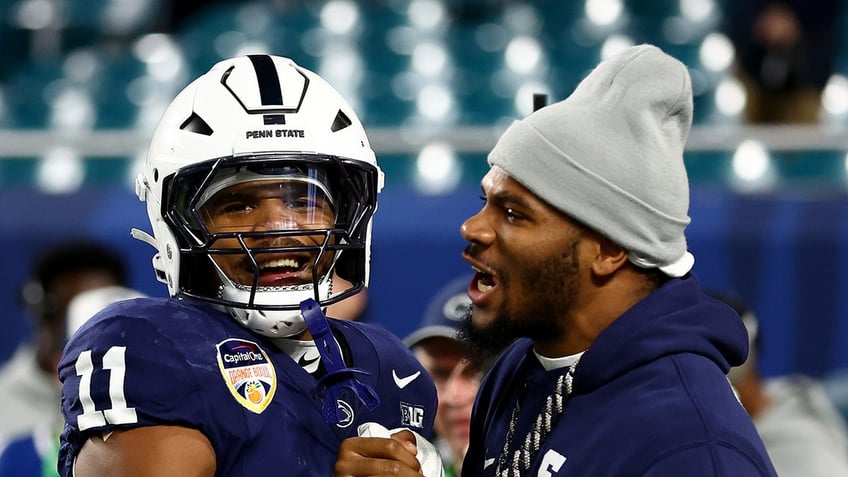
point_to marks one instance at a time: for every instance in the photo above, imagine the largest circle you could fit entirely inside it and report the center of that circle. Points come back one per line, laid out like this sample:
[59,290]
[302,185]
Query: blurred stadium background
[83,83]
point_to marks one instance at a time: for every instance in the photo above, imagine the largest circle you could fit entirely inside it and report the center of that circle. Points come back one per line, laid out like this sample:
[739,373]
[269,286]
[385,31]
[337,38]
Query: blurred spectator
[437,347]
[36,454]
[29,387]
[786,52]
[804,434]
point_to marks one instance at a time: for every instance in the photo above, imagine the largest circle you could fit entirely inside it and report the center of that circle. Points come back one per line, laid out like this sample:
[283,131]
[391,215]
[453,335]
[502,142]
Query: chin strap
[338,375]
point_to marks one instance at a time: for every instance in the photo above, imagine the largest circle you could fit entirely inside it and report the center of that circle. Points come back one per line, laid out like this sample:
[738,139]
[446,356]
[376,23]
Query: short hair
[67,257]
[655,277]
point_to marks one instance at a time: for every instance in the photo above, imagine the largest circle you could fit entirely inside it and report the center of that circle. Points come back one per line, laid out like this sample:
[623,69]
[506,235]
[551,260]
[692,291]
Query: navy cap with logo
[444,314]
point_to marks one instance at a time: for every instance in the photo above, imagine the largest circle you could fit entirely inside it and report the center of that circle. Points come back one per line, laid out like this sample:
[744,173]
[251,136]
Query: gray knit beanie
[611,155]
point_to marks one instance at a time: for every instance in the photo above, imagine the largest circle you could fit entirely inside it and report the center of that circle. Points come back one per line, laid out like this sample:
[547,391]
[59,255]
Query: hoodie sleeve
[714,459]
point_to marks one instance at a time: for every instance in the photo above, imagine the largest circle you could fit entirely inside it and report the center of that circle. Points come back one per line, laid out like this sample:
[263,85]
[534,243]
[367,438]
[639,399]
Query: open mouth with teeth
[285,271]
[482,284]
[484,281]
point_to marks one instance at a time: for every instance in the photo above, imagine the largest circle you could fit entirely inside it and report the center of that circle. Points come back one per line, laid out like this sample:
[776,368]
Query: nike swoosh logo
[488,462]
[404,382]
[303,362]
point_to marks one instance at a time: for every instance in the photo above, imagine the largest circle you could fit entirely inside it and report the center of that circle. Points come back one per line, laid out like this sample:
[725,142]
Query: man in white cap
[580,253]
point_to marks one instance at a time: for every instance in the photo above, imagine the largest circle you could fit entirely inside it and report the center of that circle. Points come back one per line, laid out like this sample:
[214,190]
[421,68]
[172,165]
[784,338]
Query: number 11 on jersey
[119,413]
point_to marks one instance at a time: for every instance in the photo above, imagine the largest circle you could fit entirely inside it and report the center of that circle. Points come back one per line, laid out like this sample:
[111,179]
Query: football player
[260,186]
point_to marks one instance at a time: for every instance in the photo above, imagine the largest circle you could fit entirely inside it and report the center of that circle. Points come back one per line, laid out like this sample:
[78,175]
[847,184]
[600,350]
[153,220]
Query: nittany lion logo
[347,410]
[248,372]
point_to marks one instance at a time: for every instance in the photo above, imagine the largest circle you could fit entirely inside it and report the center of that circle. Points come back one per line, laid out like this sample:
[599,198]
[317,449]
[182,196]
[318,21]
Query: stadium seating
[445,65]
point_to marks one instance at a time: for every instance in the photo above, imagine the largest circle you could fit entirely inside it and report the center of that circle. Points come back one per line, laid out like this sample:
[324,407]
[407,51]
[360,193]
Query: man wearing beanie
[580,254]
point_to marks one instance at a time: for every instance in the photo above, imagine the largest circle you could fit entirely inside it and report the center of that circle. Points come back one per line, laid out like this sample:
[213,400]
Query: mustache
[266,245]
[263,243]
[472,251]
[285,241]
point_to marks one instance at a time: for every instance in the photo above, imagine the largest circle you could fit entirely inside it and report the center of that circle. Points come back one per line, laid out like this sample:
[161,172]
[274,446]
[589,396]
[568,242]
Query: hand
[373,456]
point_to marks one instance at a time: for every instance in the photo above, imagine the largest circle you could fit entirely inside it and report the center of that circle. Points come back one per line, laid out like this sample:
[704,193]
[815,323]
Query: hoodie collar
[676,318]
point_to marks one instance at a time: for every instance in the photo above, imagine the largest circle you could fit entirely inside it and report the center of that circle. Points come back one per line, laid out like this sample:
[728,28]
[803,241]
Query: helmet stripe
[269,81]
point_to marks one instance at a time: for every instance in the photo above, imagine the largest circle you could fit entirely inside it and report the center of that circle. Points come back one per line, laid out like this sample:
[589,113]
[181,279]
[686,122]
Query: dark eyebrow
[218,199]
[504,197]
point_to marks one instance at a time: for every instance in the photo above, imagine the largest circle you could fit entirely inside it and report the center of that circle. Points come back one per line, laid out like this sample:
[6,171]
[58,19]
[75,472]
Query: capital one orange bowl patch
[248,373]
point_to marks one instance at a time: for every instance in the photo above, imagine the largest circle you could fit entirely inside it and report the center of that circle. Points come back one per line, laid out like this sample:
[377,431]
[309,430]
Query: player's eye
[236,207]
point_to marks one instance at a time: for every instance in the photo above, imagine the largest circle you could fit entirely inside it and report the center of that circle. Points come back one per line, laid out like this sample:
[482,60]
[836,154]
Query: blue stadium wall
[786,256]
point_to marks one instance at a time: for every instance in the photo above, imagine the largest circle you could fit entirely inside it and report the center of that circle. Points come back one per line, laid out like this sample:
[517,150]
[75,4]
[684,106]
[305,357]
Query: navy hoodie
[650,398]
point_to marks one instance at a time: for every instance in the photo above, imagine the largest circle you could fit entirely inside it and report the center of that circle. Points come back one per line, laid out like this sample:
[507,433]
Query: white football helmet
[259,131]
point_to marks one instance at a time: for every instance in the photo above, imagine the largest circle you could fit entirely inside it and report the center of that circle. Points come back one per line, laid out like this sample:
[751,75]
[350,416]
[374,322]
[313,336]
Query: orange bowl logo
[248,373]
[254,392]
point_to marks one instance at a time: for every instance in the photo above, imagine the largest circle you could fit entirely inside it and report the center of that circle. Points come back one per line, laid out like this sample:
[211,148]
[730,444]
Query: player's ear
[608,256]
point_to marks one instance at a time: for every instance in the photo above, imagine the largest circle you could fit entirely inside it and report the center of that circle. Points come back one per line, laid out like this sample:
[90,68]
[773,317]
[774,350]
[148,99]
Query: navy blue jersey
[148,361]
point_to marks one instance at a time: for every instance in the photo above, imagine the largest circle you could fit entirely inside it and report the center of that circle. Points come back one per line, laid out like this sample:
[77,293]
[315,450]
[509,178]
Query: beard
[485,345]
[551,290]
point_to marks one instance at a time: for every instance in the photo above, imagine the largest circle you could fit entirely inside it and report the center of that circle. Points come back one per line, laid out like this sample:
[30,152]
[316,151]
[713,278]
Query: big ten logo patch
[412,415]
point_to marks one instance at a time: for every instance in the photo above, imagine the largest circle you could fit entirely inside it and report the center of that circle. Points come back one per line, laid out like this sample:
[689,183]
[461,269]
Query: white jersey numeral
[119,413]
[551,463]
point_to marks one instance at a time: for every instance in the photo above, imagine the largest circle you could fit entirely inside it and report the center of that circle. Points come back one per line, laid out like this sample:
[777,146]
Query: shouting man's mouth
[481,285]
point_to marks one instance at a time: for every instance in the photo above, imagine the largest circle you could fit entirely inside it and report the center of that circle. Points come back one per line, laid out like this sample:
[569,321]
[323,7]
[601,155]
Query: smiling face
[267,206]
[528,261]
